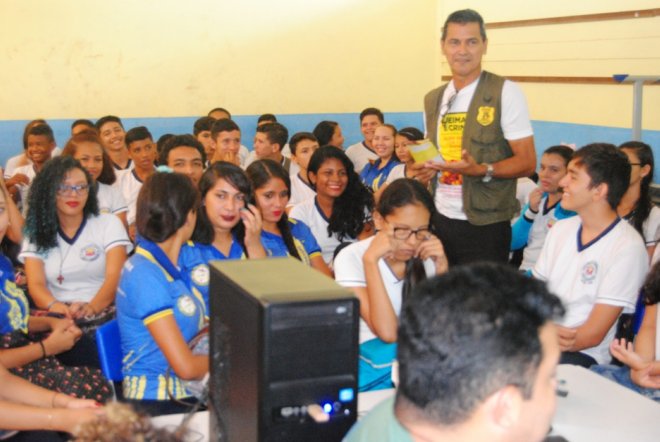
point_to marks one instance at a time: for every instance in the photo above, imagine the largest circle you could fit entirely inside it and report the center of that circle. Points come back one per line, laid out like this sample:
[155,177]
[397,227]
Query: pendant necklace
[60,278]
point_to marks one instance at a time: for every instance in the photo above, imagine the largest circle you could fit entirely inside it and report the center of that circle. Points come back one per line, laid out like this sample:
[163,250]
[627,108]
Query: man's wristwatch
[489,173]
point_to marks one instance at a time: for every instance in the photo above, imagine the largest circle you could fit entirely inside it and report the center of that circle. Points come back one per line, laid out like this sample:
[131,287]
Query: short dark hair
[324,131]
[42,130]
[298,137]
[219,109]
[606,164]
[163,204]
[202,124]
[467,333]
[267,117]
[276,133]
[29,126]
[372,111]
[177,141]
[162,140]
[137,134]
[83,122]
[223,125]
[462,17]
[565,152]
[107,119]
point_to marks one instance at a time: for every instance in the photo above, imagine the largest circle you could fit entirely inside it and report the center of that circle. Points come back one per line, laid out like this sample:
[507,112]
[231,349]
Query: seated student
[226,136]
[40,145]
[219,113]
[375,174]
[594,262]
[86,148]
[383,270]
[477,361]
[363,152]
[82,125]
[21,159]
[544,208]
[155,329]
[341,210]
[202,132]
[636,206]
[73,255]
[268,143]
[27,408]
[112,135]
[28,355]
[281,235]
[142,152]
[184,154]
[641,372]
[404,138]
[228,227]
[285,150]
[303,145]
[329,133]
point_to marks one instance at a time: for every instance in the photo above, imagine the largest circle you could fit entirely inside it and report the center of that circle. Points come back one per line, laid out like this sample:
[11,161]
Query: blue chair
[108,343]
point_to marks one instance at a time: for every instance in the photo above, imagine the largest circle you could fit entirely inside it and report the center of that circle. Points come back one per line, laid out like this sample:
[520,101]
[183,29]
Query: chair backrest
[109,346]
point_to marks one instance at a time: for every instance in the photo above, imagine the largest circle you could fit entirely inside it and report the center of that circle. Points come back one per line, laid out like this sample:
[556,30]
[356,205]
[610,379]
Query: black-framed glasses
[446,107]
[67,189]
[403,233]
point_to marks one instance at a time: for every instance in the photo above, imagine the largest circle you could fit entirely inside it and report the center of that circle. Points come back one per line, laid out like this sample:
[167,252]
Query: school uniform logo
[200,275]
[90,252]
[589,272]
[186,305]
[486,115]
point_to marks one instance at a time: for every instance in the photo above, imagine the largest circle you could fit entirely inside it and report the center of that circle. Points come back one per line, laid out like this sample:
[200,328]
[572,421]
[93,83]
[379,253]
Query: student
[341,210]
[329,133]
[404,138]
[226,136]
[477,361]
[202,132]
[73,255]
[155,329]
[220,113]
[29,344]
[361,153]
[544,208]
[142,152]
[636,206]
[594,262]
[184,154]
[228,227]
[21,159]
[382,271]
[112,135]
[86,148]
[82,125]
[281,235]
[375,174]
[268,143]
[303,145]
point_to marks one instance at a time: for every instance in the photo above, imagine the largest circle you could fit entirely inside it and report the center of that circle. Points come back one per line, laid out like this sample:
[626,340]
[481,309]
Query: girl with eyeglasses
[73,255]
[382,271]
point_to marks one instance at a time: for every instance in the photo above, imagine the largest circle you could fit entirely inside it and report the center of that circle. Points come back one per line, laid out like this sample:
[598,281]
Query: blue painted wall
[546,133]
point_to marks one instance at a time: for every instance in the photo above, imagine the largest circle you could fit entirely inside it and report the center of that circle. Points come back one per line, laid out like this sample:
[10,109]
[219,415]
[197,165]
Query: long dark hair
[644,204]
[260,173]
[401,193]
[41,221]
[237,178]
[351,208]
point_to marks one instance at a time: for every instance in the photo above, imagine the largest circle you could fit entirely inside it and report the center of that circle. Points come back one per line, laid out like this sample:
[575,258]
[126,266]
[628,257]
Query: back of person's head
[605,164]
[465,335]
[219,110]
[202,124]
[411,133]
[107,119]
[266,118]
[163,205]
[298,137]
[565,152]
[372,111]
[107,175]
[42,130]
[162,140]
[137,134]
[175,141]
[462,17]
[82,122]
[223,125]
[276,133]
[324,131]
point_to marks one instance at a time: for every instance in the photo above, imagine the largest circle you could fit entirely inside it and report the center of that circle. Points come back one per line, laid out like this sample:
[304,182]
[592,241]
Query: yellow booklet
[424,151]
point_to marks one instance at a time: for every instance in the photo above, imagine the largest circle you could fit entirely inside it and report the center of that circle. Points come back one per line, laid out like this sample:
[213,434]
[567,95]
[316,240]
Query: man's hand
[465,166]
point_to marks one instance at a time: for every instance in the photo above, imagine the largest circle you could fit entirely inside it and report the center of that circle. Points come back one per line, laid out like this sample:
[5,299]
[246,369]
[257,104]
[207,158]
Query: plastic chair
[108,343]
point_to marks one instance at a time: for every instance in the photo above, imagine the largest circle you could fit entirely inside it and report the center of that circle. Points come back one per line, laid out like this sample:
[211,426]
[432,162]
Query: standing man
[480,123]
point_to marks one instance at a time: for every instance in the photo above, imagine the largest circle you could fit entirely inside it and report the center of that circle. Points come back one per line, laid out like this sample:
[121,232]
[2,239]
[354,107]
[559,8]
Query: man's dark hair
[276,133]
[468,333]
[84,122]
[604,163]
[219,109]
[202,124]
[178,141]
[267,117]
[137,134]
[324,131]
[107,119]
[372,111]
[223,125]
[462,17]
[42,129]
[298,137]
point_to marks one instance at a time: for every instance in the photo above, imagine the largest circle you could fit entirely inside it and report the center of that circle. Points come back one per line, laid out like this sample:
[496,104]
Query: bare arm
[38,288]
[592,332]
[16,220]
[319,264]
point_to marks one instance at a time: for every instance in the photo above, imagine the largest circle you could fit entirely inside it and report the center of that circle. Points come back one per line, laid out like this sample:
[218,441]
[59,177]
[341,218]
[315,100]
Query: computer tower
[283,338]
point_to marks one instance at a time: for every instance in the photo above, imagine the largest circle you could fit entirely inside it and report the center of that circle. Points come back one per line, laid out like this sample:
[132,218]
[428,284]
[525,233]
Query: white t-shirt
[610,270]
[79,260]
[12,163]
[524,187]
[300,190]
[24,189]
[129,185]
[515,125]
[651,227]
[110,200]
[399,171]
[309,213]
[286,152]
[349,272]
[360,155]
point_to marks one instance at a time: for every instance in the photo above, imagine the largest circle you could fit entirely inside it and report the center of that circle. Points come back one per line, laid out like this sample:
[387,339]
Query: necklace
[60,278]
